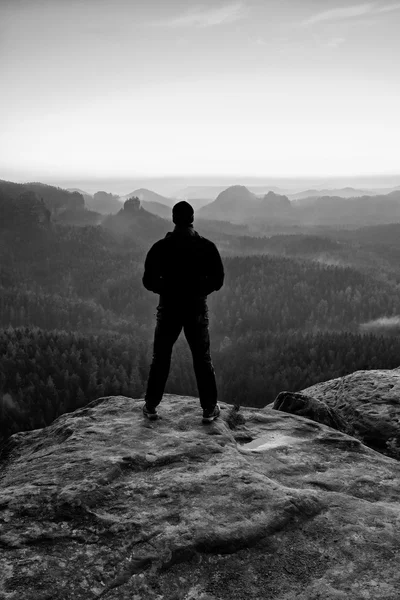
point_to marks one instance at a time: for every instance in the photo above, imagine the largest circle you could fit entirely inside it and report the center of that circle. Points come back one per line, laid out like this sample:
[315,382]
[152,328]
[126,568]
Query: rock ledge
[103,503]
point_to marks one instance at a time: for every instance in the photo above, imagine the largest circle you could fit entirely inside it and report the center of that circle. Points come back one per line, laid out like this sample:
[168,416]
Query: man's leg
[168,328]
[198,337]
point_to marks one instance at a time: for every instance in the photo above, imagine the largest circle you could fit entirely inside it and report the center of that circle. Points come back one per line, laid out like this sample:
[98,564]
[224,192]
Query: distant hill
[134,223]
[347,192]
[274,206]
[204,194]
[233,204]
[86,196]
[137,223]
[154,202]
[261,190]
[56,199]
[351,212]
[64,206]
[104,202]
[197,203]
[239,205]
[146,195]
[156,208]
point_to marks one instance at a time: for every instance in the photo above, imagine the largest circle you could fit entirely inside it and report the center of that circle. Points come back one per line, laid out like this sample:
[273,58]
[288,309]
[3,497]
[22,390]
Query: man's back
[183,265]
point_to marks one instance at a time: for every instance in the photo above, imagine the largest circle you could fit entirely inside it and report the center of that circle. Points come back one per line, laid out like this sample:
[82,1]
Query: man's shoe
[150,413]
[210,414]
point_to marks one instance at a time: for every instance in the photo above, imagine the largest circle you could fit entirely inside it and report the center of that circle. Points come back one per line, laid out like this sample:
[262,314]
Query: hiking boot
[150,413]
[209,414]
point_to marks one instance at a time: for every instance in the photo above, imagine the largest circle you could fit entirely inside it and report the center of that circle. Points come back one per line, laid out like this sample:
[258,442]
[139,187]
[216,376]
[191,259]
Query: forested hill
[271,329]
[276,294]
[24,215]
[56,199]
[85,279]
[372,250]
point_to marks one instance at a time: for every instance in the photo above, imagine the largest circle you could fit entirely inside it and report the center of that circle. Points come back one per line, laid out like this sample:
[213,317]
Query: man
[183,268]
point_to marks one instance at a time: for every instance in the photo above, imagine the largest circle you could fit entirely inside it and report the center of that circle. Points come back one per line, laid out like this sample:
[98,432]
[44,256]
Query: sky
[157,88]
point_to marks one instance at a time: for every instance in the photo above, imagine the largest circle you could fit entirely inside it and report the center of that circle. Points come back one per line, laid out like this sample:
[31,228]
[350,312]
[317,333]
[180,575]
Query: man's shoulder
[206,242]
[160,243]
[170,240]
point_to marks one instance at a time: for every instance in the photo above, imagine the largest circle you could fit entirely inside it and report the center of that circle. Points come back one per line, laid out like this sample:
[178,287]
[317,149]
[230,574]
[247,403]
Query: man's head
[183,214]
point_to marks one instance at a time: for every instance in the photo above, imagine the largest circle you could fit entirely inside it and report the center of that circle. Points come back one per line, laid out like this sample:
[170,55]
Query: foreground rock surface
[104,504]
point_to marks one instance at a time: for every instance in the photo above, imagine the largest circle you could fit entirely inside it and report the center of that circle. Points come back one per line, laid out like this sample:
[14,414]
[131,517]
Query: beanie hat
[183,213]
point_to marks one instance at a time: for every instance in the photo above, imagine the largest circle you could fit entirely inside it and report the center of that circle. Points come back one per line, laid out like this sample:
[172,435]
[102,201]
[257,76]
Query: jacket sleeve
[152,279]
[215,276]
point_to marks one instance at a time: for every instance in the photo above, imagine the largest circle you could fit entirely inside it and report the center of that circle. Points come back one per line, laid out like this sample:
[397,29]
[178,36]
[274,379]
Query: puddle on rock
[271,440]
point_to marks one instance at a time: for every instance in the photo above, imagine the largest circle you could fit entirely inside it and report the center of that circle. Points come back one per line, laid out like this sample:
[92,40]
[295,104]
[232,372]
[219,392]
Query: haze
[277,88]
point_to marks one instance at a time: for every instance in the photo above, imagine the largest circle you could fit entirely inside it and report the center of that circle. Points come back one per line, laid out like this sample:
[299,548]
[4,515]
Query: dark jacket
[183,266]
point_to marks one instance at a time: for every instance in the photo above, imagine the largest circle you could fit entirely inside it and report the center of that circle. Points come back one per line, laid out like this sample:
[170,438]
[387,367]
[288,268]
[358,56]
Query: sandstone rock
[104,504]
[369,402]
[132,205]
[298,403]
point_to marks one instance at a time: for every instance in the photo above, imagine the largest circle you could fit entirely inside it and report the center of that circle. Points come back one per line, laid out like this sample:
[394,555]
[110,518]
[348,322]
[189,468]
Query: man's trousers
[193,318]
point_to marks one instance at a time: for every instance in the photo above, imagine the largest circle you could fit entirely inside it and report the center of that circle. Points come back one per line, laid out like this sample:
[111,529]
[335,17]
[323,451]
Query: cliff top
[104,503]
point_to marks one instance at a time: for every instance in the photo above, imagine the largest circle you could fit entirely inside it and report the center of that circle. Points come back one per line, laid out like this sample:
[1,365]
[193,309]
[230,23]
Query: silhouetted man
[183,268]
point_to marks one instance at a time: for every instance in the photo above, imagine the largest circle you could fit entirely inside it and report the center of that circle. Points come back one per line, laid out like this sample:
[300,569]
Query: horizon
[248,90]
[169,186]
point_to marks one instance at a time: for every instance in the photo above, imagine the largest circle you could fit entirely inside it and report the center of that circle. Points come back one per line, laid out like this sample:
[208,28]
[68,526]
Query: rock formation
[368,402]
[148,196]
[132,205]
[105,504]
[298,403]
[135,224]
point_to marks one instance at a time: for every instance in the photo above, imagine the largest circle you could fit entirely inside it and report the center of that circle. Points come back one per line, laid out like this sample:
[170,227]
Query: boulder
[105,504]
[369,403]
[298,403]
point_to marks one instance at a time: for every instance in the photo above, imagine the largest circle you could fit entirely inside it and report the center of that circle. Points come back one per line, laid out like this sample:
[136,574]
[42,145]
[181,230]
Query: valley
[301,303]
